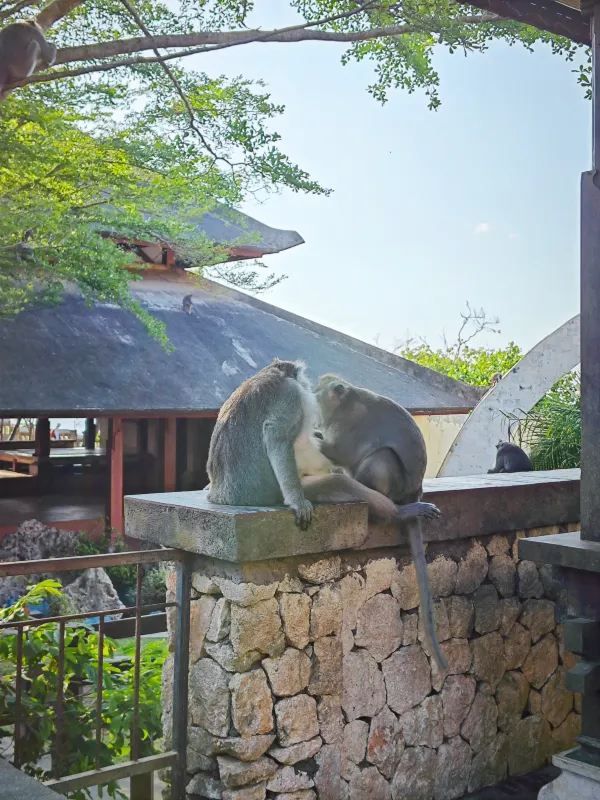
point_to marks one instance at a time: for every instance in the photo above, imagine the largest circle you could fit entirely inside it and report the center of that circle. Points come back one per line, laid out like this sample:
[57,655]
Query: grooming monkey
[511,458]
[23,50]
[380,445]
[262,442]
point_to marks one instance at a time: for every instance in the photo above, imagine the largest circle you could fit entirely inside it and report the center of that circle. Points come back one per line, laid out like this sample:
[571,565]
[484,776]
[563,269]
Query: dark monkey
[511,458]
[23,50]
[380,445]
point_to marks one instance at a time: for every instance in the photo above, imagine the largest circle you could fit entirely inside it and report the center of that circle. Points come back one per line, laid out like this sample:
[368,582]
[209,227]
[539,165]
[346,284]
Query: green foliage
[552,429]
[473,365]
[76,751]
[405,61]
[114,147]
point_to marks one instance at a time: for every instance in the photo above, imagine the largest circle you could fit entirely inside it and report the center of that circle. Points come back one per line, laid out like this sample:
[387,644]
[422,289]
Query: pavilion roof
[562,17]
[71,359]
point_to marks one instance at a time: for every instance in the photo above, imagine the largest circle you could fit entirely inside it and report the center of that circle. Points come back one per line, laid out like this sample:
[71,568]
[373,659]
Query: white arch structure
[472,452]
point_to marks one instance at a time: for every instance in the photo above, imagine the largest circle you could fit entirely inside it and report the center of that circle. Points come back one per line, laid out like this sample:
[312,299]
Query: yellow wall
[439,431]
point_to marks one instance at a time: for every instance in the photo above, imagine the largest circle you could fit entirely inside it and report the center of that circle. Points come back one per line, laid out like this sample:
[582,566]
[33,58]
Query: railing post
[180,676]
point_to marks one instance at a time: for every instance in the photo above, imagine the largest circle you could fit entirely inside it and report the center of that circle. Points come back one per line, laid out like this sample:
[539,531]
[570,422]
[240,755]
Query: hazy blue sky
[477,201]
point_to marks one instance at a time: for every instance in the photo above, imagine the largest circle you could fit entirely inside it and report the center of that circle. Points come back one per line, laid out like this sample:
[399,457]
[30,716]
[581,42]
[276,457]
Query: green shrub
[77,750]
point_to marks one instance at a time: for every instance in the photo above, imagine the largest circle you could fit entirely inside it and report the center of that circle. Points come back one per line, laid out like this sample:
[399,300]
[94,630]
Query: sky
[478,201]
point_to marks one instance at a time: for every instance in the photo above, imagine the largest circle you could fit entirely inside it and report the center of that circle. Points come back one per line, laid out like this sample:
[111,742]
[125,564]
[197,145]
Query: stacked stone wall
[309,678]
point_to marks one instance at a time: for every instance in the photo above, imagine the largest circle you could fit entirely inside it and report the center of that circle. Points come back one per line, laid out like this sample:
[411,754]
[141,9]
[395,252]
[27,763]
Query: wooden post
[115,448]
[89,437]
[42,438]
[170,454]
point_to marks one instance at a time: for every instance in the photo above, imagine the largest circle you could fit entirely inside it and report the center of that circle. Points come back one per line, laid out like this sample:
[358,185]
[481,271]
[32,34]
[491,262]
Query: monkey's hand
[428,510]
[303,512]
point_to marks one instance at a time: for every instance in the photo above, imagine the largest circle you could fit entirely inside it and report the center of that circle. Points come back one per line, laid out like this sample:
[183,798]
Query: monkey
[23,249]
[511,458]
[379,444]
[262,442]
[186,304]
[23,50]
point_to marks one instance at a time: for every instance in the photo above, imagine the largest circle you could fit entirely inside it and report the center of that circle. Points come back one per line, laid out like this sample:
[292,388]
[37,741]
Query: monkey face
[331,392]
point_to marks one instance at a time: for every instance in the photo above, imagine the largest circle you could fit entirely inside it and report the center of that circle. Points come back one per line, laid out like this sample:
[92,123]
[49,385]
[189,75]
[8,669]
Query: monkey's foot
[303,512]
[427,510]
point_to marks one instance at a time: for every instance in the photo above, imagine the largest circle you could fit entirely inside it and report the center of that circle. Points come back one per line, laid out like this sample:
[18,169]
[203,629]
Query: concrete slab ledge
[563,550]
[475,505]
[187,520]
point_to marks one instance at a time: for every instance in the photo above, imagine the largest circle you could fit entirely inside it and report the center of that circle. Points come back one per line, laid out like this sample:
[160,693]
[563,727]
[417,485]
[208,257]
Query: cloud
[482,228]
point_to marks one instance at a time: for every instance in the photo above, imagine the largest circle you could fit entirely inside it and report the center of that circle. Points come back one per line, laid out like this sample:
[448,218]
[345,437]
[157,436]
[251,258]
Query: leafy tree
[478,366]
[120,136]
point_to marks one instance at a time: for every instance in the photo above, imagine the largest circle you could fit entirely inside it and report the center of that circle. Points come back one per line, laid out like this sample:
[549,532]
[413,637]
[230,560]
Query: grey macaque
[23,50]
[262,442]
[511,458]
[380,445]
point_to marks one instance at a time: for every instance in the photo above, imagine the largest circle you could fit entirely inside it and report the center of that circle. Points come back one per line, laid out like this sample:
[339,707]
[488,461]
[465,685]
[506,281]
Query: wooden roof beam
[544,14]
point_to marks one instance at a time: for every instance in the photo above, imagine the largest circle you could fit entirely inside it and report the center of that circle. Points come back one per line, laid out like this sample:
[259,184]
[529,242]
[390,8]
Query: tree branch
[54,11]
[221,39]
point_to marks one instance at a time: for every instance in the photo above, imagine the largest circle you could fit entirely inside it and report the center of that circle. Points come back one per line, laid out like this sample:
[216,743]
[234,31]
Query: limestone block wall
[309,677]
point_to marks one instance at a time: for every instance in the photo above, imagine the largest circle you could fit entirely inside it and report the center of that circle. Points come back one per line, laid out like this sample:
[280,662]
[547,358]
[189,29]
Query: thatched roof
[73,360]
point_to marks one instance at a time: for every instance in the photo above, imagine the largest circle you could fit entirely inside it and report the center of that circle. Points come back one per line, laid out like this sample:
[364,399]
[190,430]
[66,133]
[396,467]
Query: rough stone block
[407,679]
[251,703]
[295,615]
[385,743]
[363,687]
[289,674]
[379,627]
[209,696]
[326,612]
[457,695]
[257,627]
[541,661]
[326,672]
[453,768]
[234,773]
[296,719]
[423,725]
[415,776]
[331,719]
[296,752]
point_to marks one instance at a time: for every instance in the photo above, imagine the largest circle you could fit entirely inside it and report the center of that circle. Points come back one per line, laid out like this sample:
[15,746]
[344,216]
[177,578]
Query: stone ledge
[476,505]
[563,550]
[484,504]
[188,521]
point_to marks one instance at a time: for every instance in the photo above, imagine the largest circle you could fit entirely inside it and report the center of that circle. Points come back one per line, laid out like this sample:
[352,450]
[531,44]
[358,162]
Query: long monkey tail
[415,535]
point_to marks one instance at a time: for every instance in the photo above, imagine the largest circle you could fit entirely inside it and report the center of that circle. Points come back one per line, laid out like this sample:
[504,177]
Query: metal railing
[139,769]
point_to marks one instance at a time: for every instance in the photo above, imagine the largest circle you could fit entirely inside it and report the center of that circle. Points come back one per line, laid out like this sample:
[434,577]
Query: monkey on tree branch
[399,37]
